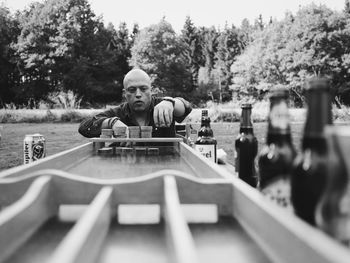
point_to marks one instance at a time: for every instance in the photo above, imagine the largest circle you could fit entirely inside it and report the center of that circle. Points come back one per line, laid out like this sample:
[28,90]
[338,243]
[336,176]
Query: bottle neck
[205,122]
[278,123]
[319,113]
[246,120]
[205,118]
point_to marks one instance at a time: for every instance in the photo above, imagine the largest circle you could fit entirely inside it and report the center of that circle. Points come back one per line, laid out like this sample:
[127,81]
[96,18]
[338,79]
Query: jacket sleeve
[91,127]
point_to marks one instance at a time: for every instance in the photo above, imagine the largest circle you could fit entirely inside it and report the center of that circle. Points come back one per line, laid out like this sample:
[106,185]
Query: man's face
[138,94]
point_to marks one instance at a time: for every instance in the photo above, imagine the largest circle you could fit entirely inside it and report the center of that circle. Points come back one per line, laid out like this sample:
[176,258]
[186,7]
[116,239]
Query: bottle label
[279,116]
[207,150]
[278,191]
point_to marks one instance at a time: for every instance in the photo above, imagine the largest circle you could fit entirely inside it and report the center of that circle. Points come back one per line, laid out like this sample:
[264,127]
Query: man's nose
[138,93]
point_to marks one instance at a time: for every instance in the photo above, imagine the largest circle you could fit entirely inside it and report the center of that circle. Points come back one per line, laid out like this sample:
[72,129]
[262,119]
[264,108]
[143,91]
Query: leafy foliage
[159,52]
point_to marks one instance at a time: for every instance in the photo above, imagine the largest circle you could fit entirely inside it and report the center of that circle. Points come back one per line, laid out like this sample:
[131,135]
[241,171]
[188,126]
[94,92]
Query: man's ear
[123,94]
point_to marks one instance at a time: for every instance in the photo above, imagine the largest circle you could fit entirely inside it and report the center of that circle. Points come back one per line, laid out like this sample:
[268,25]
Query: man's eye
[132,90]
[143,89]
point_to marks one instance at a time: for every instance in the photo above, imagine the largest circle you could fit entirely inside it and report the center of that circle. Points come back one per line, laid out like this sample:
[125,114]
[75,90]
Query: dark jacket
[91,127]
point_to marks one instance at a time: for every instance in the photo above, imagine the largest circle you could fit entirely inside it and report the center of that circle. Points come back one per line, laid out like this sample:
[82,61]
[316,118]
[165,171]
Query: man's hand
[118,123]
[163,114]
[115,126]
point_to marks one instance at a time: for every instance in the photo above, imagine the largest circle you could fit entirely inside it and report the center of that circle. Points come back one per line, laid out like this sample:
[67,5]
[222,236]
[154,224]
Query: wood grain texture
[60,160]
[155,140]
[179,234]
[20,220]
[84,242]
[204,167]
[283,236]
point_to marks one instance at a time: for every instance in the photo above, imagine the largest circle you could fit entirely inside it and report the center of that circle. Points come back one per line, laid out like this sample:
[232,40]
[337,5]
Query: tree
[193,53]
[210,42]
[347,7]
[230,45]
[292,50]
[9,75]
[63,46]
[159,52]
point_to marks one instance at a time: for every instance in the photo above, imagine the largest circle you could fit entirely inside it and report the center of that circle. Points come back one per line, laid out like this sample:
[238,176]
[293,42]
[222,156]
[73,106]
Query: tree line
[62,46]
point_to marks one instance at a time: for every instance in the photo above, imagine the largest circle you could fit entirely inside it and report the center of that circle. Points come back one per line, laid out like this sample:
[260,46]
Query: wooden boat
[79,206]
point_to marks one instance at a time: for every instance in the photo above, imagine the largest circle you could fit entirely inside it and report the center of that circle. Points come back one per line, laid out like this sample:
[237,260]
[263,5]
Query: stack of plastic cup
[146,131]
[106,133]
[140,151]
[134,132]
[105,151]
[118,151]
[120,132]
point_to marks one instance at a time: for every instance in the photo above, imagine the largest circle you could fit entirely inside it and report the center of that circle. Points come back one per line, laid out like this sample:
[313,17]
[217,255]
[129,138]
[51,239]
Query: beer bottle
[246,146]
[333,210]
[206,143]
[276,158]
[310,168]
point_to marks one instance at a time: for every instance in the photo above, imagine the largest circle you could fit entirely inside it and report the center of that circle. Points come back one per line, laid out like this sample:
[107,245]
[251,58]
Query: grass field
[60,137]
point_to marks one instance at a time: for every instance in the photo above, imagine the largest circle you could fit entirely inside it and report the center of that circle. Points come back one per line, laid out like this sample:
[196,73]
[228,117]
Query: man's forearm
[179,108]
[91,127]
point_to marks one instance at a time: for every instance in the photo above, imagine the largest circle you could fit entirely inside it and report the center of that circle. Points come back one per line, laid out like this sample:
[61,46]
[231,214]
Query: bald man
[140,109]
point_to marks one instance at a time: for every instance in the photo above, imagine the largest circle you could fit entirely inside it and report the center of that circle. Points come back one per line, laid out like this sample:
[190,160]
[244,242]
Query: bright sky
[203,13]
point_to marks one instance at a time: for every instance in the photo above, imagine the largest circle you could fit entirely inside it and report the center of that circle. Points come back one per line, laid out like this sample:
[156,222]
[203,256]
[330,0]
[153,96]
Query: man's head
[137,90]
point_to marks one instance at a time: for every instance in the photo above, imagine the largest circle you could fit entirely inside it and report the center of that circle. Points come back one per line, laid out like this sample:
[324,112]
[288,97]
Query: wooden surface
[84,241]
[275,235]
[180,238]
[57,161]
[155,140]
[22,219]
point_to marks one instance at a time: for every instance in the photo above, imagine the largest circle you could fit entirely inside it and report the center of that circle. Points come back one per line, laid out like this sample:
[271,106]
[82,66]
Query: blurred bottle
[246,146]
[276,158]
[333,210]
[206,143]
[310,168]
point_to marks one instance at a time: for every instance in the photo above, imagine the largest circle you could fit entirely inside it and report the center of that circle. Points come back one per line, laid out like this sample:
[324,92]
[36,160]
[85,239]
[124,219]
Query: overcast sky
[203,13]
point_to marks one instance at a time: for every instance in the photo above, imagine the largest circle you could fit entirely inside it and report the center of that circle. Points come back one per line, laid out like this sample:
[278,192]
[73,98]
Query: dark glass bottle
[276,158]
[333,210]
[246,146]
[206,143]
[310,168]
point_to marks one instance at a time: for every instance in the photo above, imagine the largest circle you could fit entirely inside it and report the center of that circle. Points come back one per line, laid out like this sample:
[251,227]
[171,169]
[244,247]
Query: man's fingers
[171,112]
[155,116]
[161,120]
[167,118]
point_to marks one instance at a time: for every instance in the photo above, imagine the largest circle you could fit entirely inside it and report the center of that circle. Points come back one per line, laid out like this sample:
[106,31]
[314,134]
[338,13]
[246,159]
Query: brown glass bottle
[333,209]
[276,158]
[246,146]
[206,143]
[310,168]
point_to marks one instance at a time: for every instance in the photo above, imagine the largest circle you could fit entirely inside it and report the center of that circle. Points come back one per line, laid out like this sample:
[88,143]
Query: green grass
[60,137]
[218,113]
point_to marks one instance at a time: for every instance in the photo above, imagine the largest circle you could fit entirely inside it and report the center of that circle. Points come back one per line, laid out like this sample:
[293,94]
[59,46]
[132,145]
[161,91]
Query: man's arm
[170,108]
[91,127]
[181,109]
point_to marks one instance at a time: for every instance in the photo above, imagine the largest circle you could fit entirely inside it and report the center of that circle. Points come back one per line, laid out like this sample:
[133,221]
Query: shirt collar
[128,112]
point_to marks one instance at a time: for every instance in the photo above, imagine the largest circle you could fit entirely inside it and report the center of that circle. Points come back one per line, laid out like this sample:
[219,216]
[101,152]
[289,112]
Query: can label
[207,150]
[34,148]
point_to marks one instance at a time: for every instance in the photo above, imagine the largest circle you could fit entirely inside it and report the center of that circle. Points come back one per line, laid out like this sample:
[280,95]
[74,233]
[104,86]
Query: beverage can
[34,147]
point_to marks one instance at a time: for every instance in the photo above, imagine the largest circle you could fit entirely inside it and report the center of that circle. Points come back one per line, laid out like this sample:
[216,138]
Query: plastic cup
[120,132]
[134,132]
